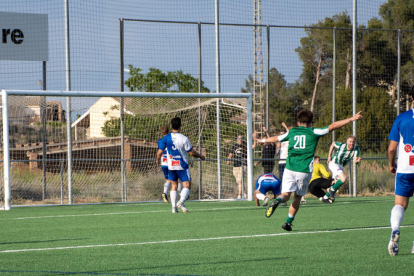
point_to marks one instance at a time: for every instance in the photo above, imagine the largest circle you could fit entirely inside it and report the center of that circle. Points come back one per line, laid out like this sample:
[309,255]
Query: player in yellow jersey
[321,179]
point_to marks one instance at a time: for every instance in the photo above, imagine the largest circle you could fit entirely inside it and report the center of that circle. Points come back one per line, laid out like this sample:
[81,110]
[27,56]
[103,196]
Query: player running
[266,183]
[178,146]
[402,138]
[302,144]
[164,165]
[343,155]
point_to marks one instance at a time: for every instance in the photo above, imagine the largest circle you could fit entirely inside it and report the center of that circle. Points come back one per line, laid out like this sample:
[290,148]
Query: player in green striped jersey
[345,152]
[299,163]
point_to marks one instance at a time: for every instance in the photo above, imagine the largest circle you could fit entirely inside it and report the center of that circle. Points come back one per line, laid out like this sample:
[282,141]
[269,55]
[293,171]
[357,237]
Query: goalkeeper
[345,152]
[266,183]
[321,179]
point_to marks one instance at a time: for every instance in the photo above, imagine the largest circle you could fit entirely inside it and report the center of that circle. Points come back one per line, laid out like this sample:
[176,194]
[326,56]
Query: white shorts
[297,182]
[335,169]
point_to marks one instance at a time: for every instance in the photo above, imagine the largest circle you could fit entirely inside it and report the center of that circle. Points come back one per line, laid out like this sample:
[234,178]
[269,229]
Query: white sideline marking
[165,211]
[125,213]
[197,240]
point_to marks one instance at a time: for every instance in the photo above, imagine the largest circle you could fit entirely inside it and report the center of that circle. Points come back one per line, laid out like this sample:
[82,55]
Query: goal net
[112,151]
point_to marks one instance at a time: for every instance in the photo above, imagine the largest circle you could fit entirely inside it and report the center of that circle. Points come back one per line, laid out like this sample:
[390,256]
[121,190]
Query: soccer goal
[93,147]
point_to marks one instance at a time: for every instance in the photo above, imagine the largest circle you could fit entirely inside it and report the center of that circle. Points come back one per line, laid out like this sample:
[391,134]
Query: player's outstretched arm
[341,123]
[272,139]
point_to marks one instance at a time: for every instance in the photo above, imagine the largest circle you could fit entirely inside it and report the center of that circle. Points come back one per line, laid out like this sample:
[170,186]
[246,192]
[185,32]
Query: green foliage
[378,116]
[158,81]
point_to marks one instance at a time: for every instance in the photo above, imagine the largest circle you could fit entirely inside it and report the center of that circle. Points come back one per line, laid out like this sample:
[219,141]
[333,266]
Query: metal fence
[306,63]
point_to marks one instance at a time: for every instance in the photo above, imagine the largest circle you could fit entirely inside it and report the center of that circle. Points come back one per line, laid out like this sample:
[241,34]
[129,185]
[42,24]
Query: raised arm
[267,135]
[341,123]
[285,126]
[330,152]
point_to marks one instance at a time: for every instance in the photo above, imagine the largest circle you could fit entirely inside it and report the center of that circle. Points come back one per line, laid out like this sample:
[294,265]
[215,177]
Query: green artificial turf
[349,237]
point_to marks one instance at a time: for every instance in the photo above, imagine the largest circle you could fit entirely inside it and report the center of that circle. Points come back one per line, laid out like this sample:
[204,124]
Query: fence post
[200,167]
[398,70]
[61,182]
[44,131]
[354,86]
[219,178]
[334,82]
[121,109]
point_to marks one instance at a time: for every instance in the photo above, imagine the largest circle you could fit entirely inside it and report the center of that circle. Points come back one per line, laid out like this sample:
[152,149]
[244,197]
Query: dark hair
[164,130]
[411,93]
[316,157]
[176,123]
[305,117]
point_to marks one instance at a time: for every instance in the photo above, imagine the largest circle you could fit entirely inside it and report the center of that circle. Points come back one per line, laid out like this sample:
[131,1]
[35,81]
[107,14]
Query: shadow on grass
[45,241]
[189,265]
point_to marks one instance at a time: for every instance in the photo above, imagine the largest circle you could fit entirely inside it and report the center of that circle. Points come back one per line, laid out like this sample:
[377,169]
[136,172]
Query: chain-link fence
[170,46]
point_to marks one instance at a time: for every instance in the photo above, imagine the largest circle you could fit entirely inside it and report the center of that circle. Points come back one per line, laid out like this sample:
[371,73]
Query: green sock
[337,185]
[279,199]
[289,220]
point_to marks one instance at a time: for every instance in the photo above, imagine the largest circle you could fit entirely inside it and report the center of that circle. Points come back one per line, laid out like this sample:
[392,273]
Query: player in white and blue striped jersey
[164,165]
[401,139]
[266,183]
[178,146]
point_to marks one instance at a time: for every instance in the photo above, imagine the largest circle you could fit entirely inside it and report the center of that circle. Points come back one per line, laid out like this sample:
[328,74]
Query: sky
[94,40]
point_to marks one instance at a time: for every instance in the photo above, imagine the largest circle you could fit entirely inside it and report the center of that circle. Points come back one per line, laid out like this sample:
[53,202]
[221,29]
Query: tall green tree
[316,53]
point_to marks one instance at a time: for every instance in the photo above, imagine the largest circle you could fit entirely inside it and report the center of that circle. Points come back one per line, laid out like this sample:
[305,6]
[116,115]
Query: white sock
[166,187]
[397,215]
[173,198]
[180,187]
[185,192]
[260,196]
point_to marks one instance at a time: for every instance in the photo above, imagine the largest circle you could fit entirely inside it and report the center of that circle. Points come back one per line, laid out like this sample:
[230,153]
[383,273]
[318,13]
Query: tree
[158,81]
[316,53]
[378,113]
[280,98]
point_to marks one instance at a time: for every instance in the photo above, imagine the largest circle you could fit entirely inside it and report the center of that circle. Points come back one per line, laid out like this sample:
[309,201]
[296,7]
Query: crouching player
[265,183]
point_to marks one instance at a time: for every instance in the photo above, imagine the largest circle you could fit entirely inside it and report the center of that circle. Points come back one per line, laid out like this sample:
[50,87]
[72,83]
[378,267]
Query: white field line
[197,240]
[164,211]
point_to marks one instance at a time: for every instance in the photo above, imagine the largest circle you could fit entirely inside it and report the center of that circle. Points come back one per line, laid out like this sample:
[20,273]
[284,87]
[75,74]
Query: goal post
[145,113]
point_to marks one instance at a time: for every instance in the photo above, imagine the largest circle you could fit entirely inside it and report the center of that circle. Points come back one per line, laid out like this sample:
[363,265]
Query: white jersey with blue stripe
[164,158]
[177,146]
[402,131]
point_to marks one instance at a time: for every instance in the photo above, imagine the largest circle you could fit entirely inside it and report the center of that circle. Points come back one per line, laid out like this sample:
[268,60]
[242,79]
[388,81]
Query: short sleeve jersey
[342,155]
[269,182]
[302,146]
[239,154]
[402,131]
[177,146]
[164,158]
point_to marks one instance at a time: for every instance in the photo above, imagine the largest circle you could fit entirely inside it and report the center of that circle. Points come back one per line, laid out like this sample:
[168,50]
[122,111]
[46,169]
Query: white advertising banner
[24,36]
